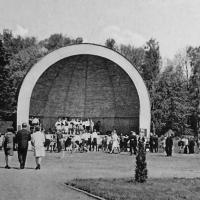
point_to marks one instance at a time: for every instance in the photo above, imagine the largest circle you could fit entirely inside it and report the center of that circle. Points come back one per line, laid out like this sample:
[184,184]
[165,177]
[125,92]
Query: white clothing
[48,136]
[35,121]
[115,139]
[94,135]
[38,140]
[87,123]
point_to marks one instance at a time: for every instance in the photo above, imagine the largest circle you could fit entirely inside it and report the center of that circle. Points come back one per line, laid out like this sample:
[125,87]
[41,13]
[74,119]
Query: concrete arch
[90,49]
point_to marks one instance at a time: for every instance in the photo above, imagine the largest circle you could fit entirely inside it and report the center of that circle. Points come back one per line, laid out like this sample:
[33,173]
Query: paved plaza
[49,182]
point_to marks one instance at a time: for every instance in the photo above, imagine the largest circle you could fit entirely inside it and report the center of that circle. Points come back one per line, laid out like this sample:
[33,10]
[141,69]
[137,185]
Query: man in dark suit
[133,143]
[22,138]
[169,145]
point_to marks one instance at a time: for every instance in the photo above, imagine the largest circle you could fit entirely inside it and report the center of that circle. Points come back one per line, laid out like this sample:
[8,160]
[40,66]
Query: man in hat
[23,137]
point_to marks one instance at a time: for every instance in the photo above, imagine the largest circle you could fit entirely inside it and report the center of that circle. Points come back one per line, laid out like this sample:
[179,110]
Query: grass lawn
[162,189]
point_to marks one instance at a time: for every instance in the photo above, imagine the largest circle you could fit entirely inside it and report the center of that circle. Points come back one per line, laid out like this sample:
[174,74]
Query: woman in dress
[38,141]
[115,142]
[8,145]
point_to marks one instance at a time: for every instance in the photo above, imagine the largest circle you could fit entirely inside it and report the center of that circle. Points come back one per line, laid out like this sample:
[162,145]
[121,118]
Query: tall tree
[151,70]
[151,65]
[134,55]
[171,102]
[6,84]
[21,62]
[194,54]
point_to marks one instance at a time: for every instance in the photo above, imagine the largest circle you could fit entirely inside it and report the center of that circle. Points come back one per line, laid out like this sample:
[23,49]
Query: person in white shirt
[87,125]
[91,125]
[35,121]
[58,124]
[66,128]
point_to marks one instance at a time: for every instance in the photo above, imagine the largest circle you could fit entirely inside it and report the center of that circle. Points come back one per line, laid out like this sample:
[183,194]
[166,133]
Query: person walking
[22,138]
[38,141]
[8,145]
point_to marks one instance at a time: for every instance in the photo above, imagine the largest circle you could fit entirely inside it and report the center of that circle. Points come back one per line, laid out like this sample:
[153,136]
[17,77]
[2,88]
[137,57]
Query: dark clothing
[59,137]
[22,138]
[22,156]
[8,143]
[155,143]
[133,144]
[94,144]
[151,143]
[169,144]
[191,146]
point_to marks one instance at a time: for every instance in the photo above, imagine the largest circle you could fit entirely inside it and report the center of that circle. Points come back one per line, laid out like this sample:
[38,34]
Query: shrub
[141,165]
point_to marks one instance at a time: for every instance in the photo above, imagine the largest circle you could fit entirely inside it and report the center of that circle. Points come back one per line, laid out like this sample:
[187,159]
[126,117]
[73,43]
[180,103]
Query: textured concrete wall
[87,86]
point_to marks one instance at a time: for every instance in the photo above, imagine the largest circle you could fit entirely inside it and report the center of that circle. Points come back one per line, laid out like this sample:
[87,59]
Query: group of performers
[83,135]
[74,126]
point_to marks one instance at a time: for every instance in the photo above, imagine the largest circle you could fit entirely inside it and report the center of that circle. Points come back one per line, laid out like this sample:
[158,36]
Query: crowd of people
[74,126]
[20,141]
[80,136]
[186,145]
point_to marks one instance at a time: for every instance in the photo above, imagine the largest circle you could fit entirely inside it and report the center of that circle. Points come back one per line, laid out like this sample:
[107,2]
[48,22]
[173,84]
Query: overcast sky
[174,23]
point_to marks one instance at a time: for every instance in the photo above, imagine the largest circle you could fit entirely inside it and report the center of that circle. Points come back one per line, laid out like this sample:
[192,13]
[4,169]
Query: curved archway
[82,49]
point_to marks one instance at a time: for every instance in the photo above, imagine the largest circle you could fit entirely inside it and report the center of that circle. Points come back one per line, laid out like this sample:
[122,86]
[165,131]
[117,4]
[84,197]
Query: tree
[151,65]
[56,41]
[151,70]
[111,44]
[182,60]
[171,101]
[134,55]
[194,87]
[6,84]
[141,165]
[21,62]
[13,45]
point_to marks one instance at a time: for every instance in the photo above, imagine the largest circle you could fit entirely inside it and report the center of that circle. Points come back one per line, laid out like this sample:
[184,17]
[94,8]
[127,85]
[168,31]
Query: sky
[173,23]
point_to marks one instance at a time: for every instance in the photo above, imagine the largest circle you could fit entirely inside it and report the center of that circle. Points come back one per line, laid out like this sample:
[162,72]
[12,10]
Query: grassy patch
[153,189]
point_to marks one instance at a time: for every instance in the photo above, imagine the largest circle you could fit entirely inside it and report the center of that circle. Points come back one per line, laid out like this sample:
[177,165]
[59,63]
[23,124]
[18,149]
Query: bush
[141,165]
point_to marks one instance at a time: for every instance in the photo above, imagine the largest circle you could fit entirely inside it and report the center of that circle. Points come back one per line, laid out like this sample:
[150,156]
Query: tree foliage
[5,81]
[141,165]
[56,41]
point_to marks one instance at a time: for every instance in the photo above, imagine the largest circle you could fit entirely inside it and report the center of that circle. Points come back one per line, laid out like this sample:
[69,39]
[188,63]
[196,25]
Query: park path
[49,182]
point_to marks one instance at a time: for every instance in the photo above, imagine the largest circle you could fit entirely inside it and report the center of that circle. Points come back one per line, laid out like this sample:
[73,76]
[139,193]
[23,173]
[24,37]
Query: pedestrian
[169,145]
[38,141]
[191,145]
[115,142]
[22,138]
[151,142]
[133,143]
[94,137]
[8,145]
[59,136]
[155,143]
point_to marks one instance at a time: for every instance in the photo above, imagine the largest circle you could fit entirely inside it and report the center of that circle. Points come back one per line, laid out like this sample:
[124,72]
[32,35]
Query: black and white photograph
[99,100]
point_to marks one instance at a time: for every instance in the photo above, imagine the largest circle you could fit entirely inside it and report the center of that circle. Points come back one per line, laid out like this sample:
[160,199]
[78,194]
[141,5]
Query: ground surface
[49,182]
